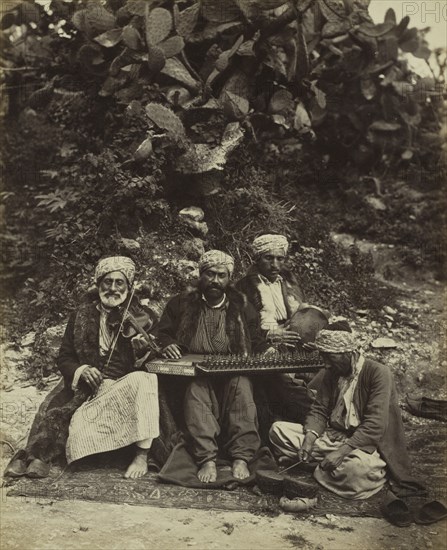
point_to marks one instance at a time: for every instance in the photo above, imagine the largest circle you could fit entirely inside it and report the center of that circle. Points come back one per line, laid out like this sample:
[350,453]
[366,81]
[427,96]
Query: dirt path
[47,525]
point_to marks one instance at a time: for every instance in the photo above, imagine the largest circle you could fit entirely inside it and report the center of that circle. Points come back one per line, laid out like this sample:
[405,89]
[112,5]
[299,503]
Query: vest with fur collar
[236,327]
[291,290]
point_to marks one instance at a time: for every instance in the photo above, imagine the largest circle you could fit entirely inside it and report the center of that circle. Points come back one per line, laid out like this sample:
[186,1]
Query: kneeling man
[354,428]
[215,318]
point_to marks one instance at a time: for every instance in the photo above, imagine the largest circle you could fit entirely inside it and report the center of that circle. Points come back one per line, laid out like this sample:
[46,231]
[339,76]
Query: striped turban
[123,264]
[215,258]
[336,341]
[267,243]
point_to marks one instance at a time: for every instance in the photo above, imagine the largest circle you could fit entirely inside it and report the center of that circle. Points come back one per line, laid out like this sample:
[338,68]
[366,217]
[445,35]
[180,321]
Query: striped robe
[124,411]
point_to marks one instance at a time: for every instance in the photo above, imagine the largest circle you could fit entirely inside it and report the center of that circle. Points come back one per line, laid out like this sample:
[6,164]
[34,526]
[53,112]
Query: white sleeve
[77,375]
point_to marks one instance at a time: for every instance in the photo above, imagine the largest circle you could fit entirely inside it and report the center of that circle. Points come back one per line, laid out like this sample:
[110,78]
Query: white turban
[267,243]
[336,341]
[123,264]
[214,258]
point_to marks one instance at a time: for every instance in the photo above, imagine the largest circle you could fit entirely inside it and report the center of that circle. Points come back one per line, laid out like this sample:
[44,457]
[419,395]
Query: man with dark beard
[215,318]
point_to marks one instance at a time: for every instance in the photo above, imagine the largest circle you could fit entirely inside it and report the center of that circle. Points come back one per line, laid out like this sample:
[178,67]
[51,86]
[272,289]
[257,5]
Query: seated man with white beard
[111,403]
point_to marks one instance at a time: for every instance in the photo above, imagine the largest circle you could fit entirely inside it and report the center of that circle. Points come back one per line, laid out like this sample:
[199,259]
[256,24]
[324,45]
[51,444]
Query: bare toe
[137,468]
[208,472]
[240,469]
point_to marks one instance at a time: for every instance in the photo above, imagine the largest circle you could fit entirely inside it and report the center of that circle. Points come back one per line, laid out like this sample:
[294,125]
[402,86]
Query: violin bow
[115,340]
[149,339]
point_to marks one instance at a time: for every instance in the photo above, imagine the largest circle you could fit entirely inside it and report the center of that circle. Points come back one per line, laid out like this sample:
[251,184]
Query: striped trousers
[124,411]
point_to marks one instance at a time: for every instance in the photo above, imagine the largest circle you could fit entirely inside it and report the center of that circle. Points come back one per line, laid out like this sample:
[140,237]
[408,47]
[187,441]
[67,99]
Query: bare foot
[208,472]
[138,467]
[240,469]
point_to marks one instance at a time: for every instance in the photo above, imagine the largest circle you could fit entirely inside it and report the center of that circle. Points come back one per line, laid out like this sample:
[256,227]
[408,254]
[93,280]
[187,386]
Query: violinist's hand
[93,377]
[172,352]
[139,344]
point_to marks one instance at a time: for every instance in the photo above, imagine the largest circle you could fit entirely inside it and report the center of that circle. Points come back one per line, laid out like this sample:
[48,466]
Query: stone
[200,227]
[375,203]
[384,343]
[389,318]
[187,269]
[194,248]
[28,339]
[52,338]
[389,310]
[130,244]
[193,213]
[12,355]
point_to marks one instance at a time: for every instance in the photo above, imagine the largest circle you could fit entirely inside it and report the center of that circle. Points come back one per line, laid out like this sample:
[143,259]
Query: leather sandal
[396,511]
[37,469]
[17,465]
[428,408]
[431,512]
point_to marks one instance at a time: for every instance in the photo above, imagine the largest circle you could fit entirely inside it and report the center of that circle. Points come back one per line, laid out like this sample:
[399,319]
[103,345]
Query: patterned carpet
[104,482]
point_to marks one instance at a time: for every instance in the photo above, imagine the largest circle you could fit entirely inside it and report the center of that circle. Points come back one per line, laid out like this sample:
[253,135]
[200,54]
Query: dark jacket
[292,292]
[381,424]
[80,343]
[179,321]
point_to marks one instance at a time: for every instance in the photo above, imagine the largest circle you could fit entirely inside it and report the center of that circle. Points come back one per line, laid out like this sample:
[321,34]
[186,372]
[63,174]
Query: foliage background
[301,117]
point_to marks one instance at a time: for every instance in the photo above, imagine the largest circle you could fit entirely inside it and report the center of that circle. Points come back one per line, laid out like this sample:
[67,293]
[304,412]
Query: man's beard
[111,299]
[213,291]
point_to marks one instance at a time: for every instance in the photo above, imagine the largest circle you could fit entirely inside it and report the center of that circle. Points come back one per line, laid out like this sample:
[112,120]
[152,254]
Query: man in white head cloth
[99,353]
[276,294]
[214,318]
[354,428]
[272,289]
[104,402]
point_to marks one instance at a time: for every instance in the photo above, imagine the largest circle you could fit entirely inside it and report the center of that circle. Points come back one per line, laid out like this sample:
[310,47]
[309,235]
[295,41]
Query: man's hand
[306,447]
[172,351]
[282,335]
[93,377]
[334,459]
[139,344]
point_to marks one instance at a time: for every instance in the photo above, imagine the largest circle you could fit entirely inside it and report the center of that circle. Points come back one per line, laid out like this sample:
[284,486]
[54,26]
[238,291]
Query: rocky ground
[409,337]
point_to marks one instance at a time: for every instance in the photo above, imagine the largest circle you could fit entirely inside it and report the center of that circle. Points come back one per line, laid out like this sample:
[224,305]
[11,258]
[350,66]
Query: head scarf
[336,341]
[214,258]
[266,243]
[123,264]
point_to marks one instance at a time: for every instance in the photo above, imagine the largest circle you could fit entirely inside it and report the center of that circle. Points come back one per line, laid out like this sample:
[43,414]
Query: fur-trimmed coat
[179,322]
[80,345]
[291,290]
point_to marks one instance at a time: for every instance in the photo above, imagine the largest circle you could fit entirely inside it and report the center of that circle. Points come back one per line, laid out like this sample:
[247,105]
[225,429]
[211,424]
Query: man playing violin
[215,318]
[110,402]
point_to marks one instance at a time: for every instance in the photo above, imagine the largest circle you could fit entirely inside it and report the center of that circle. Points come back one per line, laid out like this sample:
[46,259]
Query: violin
[130,323]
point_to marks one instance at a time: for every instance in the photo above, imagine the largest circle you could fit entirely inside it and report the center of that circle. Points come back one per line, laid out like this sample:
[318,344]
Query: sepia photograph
[223,274]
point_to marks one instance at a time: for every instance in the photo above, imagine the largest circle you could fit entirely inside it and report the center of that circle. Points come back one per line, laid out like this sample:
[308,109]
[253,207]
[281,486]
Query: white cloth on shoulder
[272,299]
